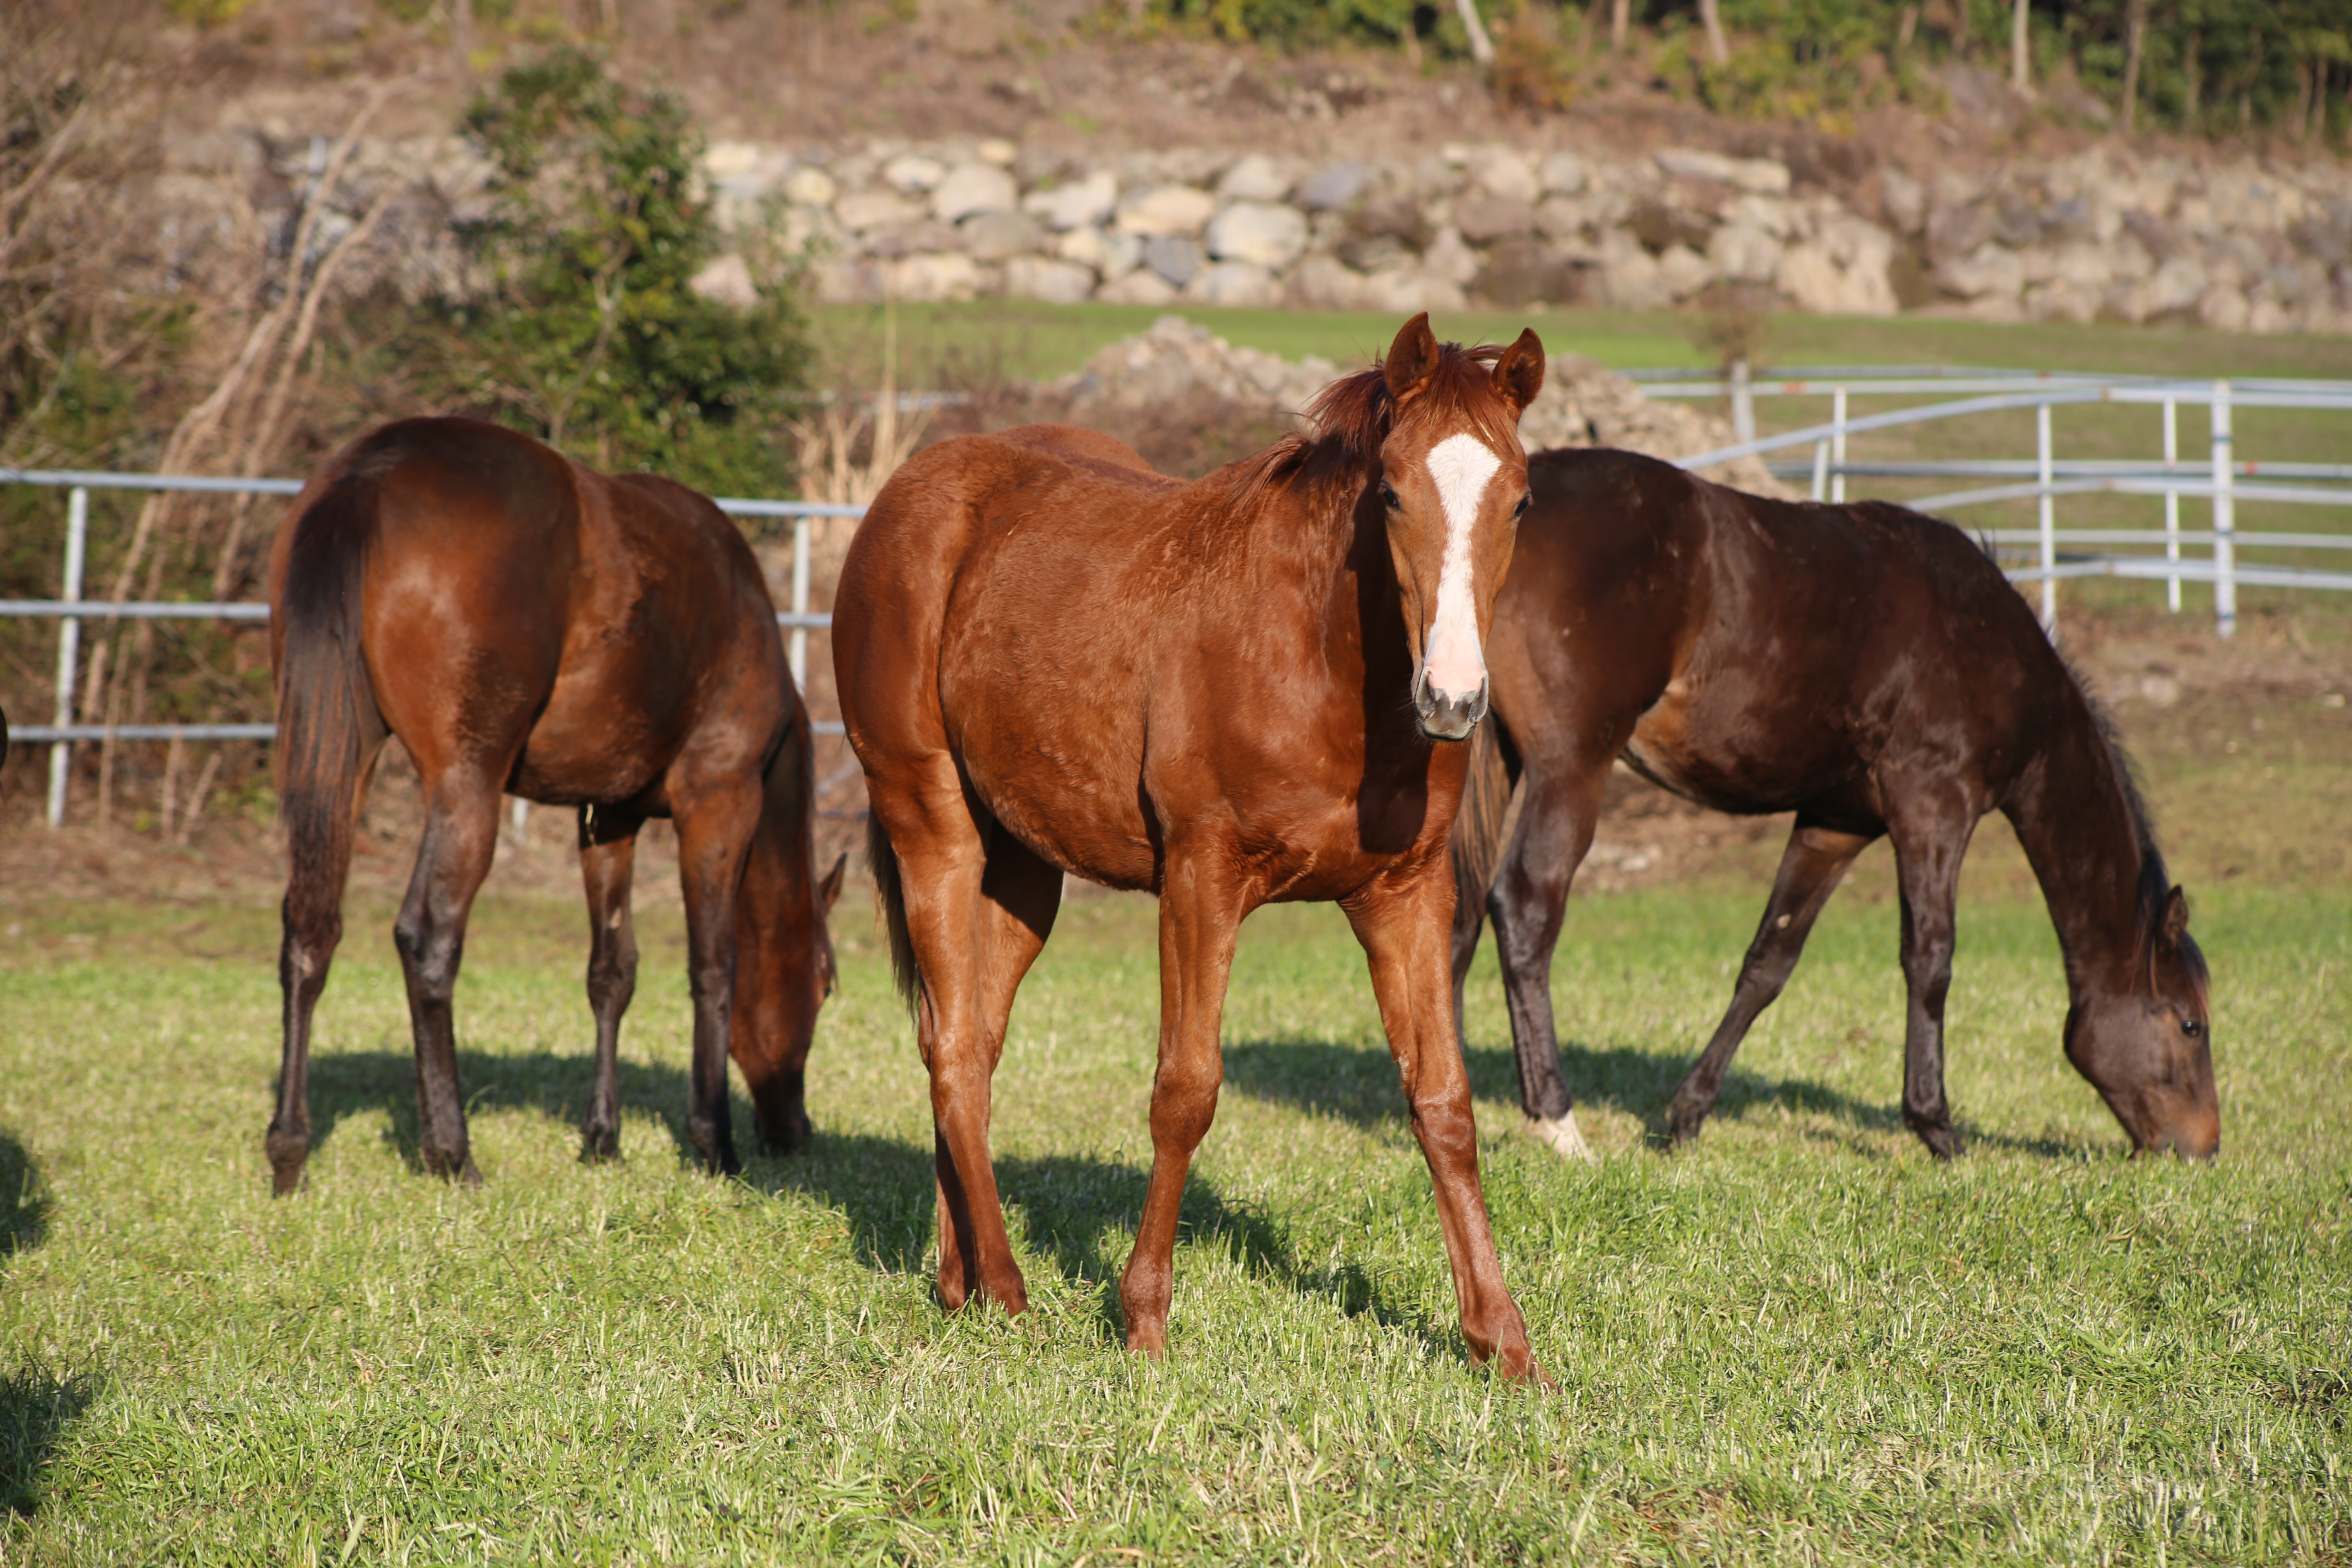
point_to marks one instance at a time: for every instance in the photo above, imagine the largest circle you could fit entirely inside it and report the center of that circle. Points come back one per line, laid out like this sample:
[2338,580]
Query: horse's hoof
[599,1144]
[1941,1140]
[289,1158]
[1683,1124]
[1560,1135]
[457,1168]
[795,1135]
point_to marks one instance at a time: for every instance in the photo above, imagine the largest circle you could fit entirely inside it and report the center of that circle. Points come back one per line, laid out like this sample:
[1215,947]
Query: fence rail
[71,610]
[2219,482]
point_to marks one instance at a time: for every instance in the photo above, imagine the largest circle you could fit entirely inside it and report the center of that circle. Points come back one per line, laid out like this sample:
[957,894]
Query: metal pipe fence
[2221,483]
[70,609]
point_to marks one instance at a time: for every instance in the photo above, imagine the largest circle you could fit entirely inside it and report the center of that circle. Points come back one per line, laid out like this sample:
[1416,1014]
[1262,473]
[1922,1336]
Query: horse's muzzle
[1443,716]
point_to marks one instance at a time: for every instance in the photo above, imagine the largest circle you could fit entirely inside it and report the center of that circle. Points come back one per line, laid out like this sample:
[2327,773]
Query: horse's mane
[1349,419]
[2154,889]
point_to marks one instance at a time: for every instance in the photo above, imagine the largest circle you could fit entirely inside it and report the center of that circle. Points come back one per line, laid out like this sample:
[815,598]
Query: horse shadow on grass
[1081,1210]
[37,1406]
[555,1084]
[1361,1087]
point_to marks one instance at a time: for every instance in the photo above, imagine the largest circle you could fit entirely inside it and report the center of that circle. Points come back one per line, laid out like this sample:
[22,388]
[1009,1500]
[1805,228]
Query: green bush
[589,334]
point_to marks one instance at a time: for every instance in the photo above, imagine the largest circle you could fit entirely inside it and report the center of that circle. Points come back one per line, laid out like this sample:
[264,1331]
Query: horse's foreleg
[1528,903]
[1200,913]
[461,825]
[716,817]
[1928,858]
[1405,932]
[608,844]
[1811,868]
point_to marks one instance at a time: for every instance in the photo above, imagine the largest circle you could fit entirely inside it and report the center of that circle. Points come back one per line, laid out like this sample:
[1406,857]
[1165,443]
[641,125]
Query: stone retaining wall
[2104,234]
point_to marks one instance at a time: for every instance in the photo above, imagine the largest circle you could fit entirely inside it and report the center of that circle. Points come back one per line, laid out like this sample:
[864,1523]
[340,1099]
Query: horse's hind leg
[716,810]
[1527,902]
[608,844]
[1020,895]
[312,915]
[1930,841]
[461,827]
[1811,866]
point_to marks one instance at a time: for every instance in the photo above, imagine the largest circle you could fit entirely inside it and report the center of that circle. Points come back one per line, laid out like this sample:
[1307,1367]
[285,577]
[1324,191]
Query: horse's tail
[1477,838]
[904,968]
[326,704]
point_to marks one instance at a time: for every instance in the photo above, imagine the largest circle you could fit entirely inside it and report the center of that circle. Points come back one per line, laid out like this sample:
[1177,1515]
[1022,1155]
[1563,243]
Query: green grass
[1801,1340]
[1027,337]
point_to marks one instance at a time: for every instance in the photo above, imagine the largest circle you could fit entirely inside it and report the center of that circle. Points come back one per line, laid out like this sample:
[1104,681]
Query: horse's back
[518,604]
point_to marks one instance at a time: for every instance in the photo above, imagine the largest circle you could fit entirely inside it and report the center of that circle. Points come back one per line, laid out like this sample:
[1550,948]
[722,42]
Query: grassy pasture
[1800,1341]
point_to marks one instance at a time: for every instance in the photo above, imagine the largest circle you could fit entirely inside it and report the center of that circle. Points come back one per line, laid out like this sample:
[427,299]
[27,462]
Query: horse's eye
[2192,1027]
[1388,496]
[1525,502]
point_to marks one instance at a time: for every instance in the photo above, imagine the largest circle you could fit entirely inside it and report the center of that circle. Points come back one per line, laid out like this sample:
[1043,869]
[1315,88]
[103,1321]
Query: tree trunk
[1710,11]
[1482,49]
[1621,20]
[2021,73]
[461,31]
[2135,40]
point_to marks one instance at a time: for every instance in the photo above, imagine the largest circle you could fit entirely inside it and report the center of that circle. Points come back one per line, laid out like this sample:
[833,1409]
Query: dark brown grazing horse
[527,626]
[1241,690]
[1870,669]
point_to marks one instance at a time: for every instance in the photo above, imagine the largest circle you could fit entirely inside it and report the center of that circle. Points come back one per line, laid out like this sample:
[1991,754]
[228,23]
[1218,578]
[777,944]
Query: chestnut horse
[1870,669]
[527,626]
[1245,689]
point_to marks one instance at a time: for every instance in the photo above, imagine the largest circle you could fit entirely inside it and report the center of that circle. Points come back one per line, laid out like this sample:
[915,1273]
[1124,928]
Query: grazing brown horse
[527,626]
[1870,669]
[1241,690]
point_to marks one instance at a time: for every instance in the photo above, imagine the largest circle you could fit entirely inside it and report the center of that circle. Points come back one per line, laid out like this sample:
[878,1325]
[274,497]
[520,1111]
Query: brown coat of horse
[1870,669]
[1051,659]
[528,626]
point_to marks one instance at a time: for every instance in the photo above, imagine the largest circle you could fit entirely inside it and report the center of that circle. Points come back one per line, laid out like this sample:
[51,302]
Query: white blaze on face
[1463,467]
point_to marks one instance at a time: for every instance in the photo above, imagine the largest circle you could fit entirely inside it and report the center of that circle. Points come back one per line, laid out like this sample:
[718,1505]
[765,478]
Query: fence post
[2225,520]
[1743,401]
[1820,470]
[800,603]
[2171,504]
[2049,521]
[69,648]
[1837,446]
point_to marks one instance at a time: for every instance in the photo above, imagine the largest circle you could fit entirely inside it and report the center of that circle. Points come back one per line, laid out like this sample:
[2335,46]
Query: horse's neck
[2074,819]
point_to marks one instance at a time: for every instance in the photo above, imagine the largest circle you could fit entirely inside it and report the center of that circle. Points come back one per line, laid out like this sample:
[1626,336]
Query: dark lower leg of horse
[1811,868]
[314,926]
[1528,904]
[715,822]
[460,834]
[1927,942]
[607,855]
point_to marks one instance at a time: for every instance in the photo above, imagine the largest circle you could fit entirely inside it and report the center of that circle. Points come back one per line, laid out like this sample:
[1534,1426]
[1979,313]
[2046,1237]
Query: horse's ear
[828,892]
[2175,917]
[1519,373]
[1412,359]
